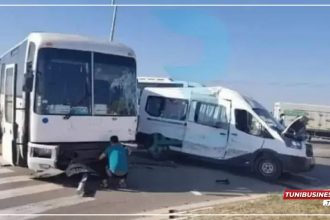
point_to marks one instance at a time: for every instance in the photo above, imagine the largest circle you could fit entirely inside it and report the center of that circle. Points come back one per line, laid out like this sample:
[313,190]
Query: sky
[269,53]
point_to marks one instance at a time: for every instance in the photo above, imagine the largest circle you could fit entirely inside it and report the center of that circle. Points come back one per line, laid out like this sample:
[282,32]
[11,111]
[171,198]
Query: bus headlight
[41,152]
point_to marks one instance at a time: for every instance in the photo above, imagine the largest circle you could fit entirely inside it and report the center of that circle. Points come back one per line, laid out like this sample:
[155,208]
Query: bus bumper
[42,157]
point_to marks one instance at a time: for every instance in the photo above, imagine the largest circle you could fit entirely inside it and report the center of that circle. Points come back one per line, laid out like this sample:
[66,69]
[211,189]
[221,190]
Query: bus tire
[268,167]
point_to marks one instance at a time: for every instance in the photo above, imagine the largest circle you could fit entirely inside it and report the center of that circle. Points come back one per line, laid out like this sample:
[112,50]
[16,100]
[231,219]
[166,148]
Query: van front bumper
[297,164]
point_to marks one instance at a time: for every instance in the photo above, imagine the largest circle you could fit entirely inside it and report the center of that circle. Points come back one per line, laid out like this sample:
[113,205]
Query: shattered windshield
[64,84]
[114,85]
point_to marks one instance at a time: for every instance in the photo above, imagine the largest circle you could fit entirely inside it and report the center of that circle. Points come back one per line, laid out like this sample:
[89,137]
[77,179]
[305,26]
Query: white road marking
[14,179]
[44,206]
[196,193]
[5,170]
[28,190]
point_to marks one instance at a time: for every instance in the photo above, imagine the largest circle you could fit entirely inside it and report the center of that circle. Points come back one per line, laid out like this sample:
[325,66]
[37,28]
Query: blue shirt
[117,159]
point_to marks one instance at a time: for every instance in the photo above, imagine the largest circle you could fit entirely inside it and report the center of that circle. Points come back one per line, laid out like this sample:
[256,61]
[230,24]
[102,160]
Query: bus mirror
[28,82]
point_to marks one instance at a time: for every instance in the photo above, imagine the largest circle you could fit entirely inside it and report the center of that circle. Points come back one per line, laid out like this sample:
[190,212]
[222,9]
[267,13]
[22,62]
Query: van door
[9,124]
[207,129]
[247,135]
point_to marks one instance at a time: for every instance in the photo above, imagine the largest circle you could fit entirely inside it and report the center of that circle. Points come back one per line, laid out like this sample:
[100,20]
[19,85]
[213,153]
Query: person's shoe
[104,183]
[122,183]
[81,189]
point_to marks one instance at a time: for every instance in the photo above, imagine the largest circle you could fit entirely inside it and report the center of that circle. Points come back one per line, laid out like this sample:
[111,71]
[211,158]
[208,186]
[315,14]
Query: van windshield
[270,121]
[265,115]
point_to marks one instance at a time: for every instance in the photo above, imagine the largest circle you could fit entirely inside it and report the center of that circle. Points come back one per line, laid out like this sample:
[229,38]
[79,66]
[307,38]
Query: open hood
[297,128]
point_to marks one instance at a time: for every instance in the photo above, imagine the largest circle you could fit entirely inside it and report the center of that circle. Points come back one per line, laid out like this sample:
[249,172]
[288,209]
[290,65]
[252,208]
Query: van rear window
[169,108]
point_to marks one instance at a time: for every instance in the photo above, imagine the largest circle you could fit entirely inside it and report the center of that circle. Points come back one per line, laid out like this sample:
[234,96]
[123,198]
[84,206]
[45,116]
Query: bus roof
[77,42]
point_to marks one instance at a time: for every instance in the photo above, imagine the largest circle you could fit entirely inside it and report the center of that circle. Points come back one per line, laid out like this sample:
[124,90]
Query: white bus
[223,126]
[62,97]
[162,82]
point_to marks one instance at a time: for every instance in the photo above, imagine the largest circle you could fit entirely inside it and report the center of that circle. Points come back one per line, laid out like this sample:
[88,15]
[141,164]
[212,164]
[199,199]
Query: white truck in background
[319,117]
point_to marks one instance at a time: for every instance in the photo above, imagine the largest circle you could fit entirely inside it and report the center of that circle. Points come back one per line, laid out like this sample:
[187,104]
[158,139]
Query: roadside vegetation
[273,204]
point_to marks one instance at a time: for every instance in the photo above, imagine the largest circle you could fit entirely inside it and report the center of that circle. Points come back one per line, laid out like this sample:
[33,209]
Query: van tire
[268,167]
[148,142]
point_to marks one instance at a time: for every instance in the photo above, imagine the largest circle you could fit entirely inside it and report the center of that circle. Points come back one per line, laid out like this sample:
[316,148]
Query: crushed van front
[298,164]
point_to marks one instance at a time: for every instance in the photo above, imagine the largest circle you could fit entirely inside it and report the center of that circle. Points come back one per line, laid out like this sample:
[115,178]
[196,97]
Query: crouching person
[117,166]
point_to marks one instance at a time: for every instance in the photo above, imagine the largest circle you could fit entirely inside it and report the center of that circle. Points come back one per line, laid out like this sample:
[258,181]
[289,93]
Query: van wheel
[148,142]
[268,167]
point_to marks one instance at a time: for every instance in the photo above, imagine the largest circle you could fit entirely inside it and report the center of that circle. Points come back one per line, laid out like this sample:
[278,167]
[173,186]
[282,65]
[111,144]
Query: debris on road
[224,181]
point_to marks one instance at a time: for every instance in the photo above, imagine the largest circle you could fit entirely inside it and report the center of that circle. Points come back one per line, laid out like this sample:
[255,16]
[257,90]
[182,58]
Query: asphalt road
[321,172]
[151,185]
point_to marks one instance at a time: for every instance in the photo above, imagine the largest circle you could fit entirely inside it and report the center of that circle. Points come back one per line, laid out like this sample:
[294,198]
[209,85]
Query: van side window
[168,108]
[154,106]
[211,115]
[247,123]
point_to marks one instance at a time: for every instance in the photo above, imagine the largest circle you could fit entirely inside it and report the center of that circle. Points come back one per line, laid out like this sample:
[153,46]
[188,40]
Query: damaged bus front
[78,92]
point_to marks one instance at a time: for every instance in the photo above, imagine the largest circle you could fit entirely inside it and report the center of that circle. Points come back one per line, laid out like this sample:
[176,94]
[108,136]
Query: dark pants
[113,179]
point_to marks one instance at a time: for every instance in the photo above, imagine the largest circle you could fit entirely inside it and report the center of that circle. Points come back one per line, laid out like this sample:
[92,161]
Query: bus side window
[28,77]
[9,95]
[31,52]
[2,78]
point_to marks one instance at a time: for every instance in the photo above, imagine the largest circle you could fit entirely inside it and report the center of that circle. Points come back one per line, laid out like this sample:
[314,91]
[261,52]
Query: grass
[273,204]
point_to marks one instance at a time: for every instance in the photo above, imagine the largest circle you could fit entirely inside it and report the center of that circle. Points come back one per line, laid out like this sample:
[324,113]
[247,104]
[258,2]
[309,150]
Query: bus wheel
[268,167]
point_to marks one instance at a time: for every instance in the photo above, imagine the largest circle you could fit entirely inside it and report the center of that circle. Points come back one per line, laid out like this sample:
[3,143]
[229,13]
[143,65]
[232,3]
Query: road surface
[152,185]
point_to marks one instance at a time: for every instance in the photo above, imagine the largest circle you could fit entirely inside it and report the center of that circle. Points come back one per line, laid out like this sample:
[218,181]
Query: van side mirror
[28,78]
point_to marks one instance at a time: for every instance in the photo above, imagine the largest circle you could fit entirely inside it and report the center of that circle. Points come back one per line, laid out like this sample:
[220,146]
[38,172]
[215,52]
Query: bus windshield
[64,83]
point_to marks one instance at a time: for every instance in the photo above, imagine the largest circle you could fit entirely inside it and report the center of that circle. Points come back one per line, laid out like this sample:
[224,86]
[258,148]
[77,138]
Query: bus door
[9,125]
